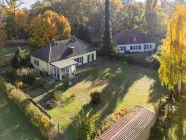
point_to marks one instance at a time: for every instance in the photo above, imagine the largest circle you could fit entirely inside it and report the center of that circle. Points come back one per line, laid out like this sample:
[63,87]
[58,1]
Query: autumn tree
[22,25]
[11,28]
[115,8]
[48,26]
[2,25]
[131,16]
[151,17]
[21,20]
[172,70]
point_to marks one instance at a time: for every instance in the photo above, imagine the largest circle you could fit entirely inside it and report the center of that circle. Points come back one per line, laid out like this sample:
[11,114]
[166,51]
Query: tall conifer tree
[106,49]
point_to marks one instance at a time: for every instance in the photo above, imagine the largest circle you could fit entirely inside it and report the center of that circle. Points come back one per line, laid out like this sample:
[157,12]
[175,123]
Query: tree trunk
[179,86]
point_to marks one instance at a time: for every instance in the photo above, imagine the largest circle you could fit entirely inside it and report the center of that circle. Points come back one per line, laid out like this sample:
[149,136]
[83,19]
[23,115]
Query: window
[90,57]
[131,47]
[150,46]
[79,60]
[36,62]
[140,47]
[121,48]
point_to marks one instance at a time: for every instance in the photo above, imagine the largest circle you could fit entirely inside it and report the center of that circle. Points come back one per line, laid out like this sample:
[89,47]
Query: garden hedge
[32,112]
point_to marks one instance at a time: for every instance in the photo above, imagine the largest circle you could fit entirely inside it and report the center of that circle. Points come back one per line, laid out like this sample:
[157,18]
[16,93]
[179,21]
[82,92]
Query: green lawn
[8,51]
[13,124]
[121,86]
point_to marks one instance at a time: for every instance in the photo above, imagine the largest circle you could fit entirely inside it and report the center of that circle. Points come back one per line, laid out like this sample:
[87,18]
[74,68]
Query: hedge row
[33,113]
[141,60]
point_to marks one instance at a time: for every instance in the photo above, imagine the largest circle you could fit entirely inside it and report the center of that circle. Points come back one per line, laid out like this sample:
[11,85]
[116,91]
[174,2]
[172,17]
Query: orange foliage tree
[21,20]
[47,26]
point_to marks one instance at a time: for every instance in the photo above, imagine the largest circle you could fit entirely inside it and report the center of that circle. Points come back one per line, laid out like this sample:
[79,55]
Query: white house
[60,58]
[126,1]
[130,41]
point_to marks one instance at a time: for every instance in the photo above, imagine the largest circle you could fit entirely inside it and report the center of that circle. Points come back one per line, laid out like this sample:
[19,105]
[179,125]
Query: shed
[137,128]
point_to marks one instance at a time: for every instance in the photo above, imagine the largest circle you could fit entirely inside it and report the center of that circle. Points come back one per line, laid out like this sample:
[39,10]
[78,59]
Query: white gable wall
[136,47]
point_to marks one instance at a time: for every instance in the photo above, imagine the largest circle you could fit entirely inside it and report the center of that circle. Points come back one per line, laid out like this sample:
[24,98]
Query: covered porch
[63,68]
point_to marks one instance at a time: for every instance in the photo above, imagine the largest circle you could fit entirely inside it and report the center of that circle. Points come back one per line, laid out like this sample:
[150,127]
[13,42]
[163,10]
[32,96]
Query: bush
[106,124]
[114,51]
[157,131]
[4,86]
[26,75]
[95,97]
[66,82]
[33,113]
[84,125]
[120,114]
[39,82]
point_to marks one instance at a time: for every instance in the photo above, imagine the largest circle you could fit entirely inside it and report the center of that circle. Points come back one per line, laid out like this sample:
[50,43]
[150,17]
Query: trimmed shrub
[36,117]
[4,86]
[33,113]
[95,97]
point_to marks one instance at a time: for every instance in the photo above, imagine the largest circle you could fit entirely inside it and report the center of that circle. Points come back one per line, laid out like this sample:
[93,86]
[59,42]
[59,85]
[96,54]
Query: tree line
[80,17]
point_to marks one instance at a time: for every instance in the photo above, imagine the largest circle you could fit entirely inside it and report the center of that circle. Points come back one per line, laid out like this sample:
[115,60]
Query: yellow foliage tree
[173,57]
[115,8]
[21,20]
[3,34]
[48,26]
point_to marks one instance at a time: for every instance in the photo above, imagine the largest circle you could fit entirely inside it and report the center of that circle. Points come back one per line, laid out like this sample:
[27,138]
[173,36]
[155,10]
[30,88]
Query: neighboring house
[130,41]
[135,125]
[126,1]
[60,58]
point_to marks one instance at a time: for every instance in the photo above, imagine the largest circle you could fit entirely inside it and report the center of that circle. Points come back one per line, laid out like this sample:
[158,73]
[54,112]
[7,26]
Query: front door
[56,72]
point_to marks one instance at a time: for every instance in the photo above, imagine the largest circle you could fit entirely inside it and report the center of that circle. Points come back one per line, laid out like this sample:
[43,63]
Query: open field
[13,124]
[121,86]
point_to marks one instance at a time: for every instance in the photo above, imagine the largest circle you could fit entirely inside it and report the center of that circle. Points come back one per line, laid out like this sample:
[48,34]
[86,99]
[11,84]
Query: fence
[17,41]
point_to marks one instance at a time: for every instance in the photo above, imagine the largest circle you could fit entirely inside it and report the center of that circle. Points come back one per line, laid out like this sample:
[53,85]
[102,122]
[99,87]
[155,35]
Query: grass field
[121,86]
[13,124]
[7,52]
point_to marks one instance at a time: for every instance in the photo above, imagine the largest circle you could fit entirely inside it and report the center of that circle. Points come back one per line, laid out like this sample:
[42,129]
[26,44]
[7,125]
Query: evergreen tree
[18,60]
[84,34]
[106,49]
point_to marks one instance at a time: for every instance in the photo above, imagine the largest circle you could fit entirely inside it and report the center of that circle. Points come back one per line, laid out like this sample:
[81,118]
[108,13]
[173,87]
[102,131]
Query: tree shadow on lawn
[157,92]
[119,78]
[13,124]
[176,127]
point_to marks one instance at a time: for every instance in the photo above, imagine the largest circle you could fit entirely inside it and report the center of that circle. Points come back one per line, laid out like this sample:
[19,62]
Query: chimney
[71,49]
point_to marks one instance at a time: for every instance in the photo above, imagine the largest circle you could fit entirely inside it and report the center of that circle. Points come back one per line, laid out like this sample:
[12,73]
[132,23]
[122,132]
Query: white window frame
[36,62]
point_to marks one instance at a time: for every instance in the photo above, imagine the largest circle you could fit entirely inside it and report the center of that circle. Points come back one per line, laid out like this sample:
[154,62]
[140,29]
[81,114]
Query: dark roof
[131,37]
[58,50]
[126,129]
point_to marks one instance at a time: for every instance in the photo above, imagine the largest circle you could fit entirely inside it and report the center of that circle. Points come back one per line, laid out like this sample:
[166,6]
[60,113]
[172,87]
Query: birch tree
[172,71]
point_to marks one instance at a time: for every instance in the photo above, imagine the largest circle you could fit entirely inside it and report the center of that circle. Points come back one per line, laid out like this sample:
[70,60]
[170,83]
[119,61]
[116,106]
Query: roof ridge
[114,136]
[81,41]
